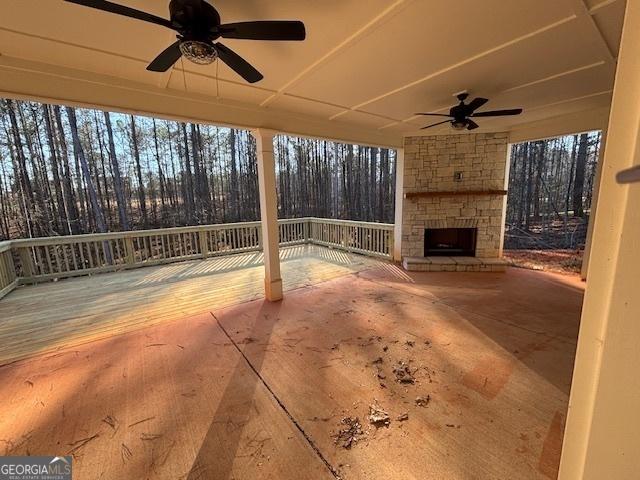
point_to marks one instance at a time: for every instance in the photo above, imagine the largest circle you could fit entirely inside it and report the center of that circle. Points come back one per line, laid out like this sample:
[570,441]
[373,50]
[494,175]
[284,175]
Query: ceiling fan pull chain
[217,79]
[184,75]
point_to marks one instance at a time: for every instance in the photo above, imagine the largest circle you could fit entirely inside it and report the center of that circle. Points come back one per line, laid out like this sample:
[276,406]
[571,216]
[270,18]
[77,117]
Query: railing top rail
[4,246]
[97,237]
[293,220]
[383,226]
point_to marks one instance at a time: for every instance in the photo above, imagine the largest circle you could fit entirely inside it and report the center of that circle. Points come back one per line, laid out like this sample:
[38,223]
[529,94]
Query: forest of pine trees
[70,171]
[550,191]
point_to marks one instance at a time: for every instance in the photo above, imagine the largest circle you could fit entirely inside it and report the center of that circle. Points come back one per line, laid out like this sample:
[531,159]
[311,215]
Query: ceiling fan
[461,113]
[198,26]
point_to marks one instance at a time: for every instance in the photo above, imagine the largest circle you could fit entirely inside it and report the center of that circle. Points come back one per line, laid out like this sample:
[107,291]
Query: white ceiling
[365,66]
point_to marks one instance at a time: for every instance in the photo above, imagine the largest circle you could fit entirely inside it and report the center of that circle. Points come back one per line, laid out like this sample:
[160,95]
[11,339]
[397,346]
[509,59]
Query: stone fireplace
[454,202]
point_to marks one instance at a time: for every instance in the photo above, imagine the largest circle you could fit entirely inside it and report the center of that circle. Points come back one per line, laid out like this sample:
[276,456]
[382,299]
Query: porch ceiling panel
[363,71]
[519,66]
[609,19]
[305,105]
[423,38]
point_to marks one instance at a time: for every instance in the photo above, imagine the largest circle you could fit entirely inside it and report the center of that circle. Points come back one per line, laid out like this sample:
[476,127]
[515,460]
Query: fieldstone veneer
[430,166]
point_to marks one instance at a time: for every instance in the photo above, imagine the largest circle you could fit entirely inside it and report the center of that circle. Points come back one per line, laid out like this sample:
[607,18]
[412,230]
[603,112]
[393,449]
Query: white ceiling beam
[75,45]
[569,100]
[377,20]
[462,63]
[392,124]
[581,10]
[36,81]
[555,76]
[561,125]
[602,4]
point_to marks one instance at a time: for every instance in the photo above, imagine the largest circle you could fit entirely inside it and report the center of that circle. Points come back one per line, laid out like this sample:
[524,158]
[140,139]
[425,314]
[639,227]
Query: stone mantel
[454,193]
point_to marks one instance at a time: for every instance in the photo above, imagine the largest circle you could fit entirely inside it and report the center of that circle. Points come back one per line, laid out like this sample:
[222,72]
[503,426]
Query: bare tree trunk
[189,200]
[63,208]
[22,174]
[67,185]
[117,179]
[142,199]
[80,155]
[163,208]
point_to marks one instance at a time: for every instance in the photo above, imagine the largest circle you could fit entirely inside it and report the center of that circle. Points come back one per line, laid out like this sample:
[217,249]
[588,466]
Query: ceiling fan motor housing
[195,19]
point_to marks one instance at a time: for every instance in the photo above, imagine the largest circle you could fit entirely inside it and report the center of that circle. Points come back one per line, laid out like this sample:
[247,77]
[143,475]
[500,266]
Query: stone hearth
[438,171]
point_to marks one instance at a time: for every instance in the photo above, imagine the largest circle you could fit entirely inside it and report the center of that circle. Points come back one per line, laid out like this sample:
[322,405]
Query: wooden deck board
[45,317]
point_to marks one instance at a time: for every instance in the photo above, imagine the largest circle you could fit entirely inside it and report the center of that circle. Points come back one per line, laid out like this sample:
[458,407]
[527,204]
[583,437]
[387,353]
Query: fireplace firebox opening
[456,242]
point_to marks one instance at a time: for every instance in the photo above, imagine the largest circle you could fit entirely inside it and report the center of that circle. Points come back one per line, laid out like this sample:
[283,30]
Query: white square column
[269,213]
[399,199]
[601,433]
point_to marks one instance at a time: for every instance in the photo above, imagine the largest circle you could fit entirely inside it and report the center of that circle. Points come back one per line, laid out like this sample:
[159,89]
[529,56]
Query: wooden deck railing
[34,260]
[8,276]
[367,238]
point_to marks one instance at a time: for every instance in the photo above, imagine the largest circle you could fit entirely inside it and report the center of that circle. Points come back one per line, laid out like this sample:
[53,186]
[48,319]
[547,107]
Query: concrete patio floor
[258,390]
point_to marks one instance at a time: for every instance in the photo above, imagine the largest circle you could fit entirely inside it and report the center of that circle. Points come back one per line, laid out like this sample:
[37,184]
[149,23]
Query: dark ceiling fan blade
[238,64]
[434,114]
[476,103]
[166,59]
[122,10]
[435,124]
[264,30]
[498,113]
[471,125]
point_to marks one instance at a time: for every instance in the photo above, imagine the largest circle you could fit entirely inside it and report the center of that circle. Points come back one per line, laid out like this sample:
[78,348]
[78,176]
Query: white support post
[503,221]
[601,434]
[594,205]
[268,213]
[397,228]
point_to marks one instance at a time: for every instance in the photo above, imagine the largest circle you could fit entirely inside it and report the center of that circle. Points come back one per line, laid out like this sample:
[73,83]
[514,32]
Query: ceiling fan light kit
[200,53]
[198,28]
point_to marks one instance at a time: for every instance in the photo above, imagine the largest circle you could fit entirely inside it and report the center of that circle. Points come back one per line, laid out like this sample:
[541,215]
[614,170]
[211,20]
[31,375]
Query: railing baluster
[116,260]
[74,255]
[90,254]
[48,258]
[96,246]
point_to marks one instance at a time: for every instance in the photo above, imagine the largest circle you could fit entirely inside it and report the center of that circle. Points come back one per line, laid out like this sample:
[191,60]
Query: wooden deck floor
[43,318]
[258,390]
